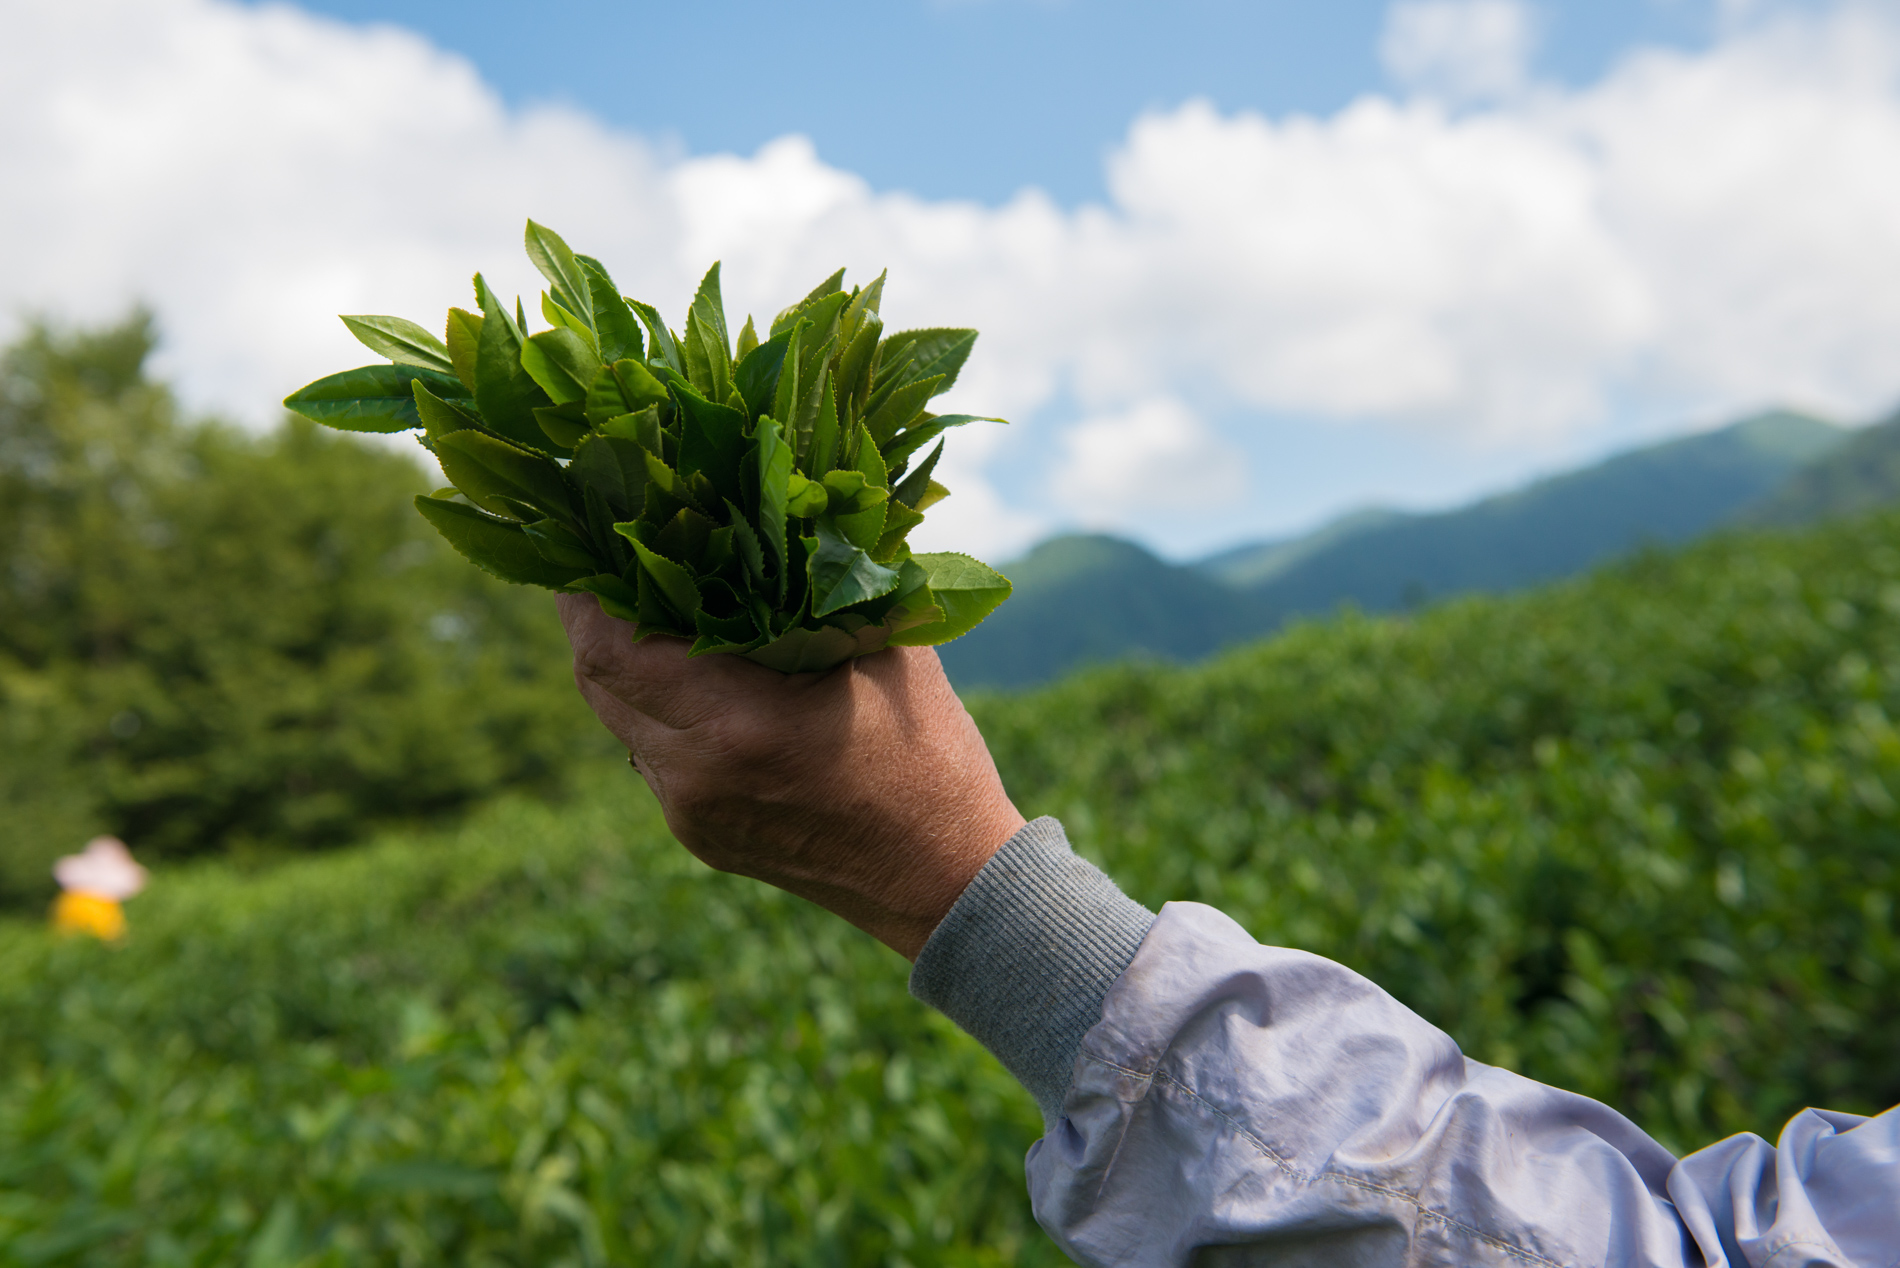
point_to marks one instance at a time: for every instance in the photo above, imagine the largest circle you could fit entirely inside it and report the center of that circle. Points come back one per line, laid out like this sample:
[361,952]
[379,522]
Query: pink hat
[105,869]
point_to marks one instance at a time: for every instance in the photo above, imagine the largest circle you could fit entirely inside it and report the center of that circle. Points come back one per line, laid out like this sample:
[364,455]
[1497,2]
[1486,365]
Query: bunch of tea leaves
[752,494]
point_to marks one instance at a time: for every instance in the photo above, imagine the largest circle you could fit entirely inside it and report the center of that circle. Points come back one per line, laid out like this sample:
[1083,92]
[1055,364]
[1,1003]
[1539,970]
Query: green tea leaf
[863,306]
[707,363]
[617,598]
[842,573]
[774,465]
[756,375]
[814,392]
[746,543]
[376,398]
[912,486]
[485,468]
[830,286]
[823,455]
[504,392]
[559,318]
[624,387]
[854,369]
[685,538]
[710,308]
[785,393]
[665,349]
[439,417]
[965,590]
[617,468]
[805,498]
[564,273]
[464,332]
[674,582]
[655,616]
[402,341]
[898,409]
[747,341]
[864,523]
[559,544]
[898,451]
[642,427]
[913,355]
[608,546]
[664,479]
[899,519]
[614,323]
[561,363]
[564,426]
[493,545]
[712,442]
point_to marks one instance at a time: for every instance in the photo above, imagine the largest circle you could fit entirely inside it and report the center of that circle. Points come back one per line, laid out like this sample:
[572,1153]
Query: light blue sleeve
[1241,1104]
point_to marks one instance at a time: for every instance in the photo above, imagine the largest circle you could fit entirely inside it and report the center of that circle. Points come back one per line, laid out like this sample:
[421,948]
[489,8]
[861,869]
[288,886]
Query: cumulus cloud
[1156,455]
[1695,234]
[1459,49]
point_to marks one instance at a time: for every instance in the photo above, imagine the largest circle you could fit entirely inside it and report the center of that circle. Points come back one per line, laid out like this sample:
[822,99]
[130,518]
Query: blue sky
[965,98]
[1239,268]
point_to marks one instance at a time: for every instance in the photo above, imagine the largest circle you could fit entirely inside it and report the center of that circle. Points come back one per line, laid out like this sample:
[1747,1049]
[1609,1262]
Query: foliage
[1636,835]
[212,640]
[753,498]
[549,1037]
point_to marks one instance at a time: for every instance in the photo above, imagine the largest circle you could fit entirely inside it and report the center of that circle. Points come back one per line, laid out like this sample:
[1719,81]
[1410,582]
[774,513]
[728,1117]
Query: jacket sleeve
[1231,1103]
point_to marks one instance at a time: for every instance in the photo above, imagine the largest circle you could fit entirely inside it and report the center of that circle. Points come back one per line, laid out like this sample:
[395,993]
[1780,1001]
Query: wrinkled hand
[866,790]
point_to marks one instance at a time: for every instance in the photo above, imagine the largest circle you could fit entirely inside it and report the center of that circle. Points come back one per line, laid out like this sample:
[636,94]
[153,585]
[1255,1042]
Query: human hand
[866,789]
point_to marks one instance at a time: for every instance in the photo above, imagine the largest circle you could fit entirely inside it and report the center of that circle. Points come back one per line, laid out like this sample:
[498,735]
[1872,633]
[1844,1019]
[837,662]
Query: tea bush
[1636,835]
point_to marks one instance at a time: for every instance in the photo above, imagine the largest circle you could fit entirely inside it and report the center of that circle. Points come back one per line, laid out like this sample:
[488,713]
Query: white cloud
[1693,235]
[1459,49]
[1155,456]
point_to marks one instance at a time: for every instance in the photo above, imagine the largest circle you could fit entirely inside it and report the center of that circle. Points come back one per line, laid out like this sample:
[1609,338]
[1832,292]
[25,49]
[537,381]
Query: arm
[1209,1100]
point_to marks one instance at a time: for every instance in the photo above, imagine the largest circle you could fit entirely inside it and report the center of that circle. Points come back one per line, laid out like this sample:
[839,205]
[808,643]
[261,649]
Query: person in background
[92,886]
[1207,1100]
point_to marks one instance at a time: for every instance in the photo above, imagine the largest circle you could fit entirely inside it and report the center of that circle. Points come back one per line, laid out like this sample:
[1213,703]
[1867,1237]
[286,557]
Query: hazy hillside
[1260,562]
[1081,600]
[1861,473]
[1556,527]
[1085,599]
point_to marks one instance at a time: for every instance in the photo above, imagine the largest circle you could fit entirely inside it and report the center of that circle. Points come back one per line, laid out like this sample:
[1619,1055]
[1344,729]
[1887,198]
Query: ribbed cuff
[1027,954]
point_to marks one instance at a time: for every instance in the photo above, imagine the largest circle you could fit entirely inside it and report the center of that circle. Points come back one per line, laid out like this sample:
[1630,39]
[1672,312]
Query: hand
[866,790]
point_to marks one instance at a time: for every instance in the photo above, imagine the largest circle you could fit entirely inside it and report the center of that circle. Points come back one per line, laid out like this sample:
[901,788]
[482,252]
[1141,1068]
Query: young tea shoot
[751,494]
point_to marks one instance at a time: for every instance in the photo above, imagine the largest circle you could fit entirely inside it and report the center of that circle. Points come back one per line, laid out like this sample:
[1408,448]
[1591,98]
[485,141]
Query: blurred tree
[213,641]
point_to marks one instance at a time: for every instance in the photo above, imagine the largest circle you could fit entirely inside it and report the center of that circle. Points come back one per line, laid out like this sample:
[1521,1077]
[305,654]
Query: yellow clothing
[79,912]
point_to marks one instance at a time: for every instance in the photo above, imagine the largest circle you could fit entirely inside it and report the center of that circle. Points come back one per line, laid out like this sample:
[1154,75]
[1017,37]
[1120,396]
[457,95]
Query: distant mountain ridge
[1858,475]
[1085,598]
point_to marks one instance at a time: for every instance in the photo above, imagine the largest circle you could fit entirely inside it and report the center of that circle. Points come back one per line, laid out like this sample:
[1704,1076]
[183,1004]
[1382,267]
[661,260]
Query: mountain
[1260,562]
[1085,599]
[1858,475]
[1663,494]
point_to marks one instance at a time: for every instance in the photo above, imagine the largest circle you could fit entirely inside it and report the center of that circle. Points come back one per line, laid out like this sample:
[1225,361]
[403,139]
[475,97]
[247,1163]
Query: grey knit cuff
[1027,954]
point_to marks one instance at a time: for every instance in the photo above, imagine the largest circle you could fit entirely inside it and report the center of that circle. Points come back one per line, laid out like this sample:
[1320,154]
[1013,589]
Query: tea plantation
[1636,835]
